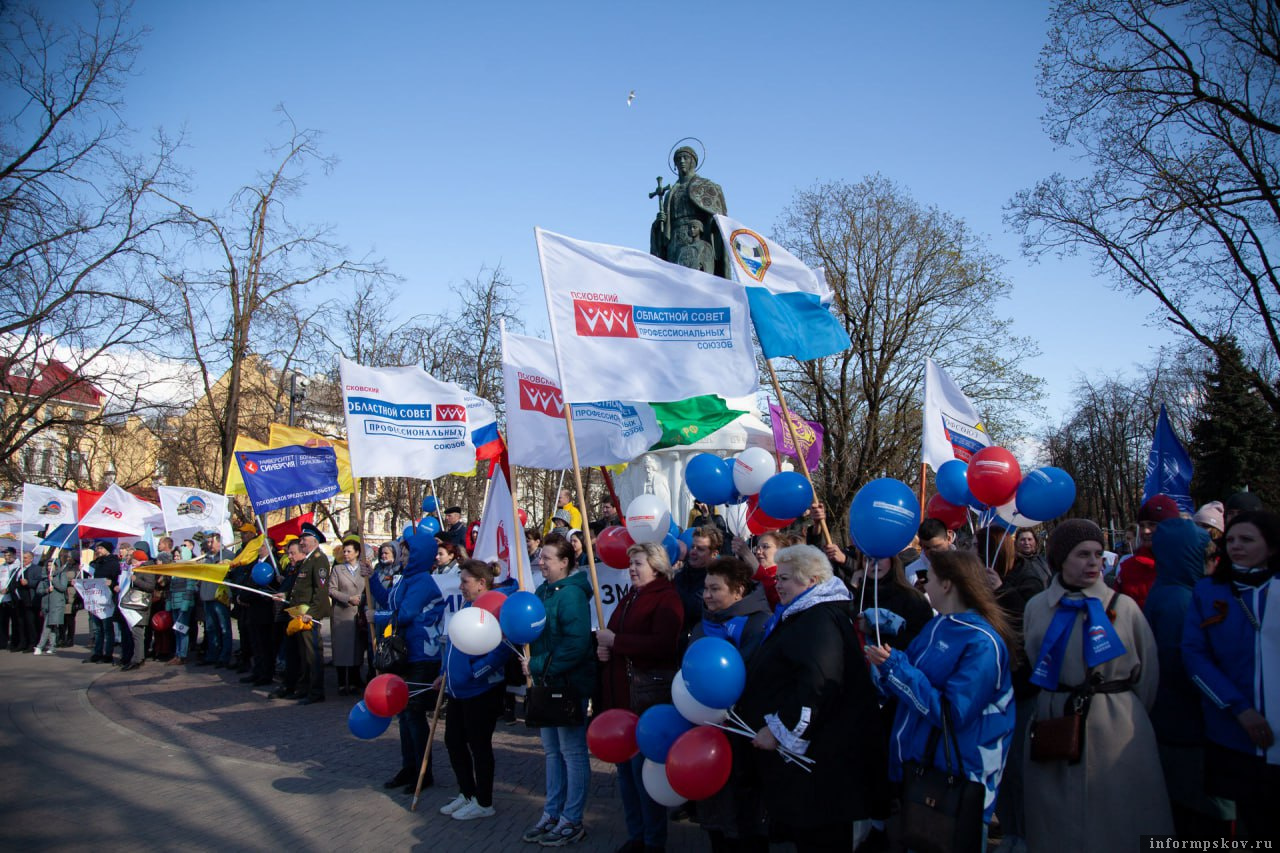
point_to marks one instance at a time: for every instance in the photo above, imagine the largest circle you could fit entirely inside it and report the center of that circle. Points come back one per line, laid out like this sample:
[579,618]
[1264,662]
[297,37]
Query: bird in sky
[631,97]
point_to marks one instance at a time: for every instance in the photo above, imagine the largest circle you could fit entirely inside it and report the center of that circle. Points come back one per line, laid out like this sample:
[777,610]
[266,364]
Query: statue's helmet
[688,150]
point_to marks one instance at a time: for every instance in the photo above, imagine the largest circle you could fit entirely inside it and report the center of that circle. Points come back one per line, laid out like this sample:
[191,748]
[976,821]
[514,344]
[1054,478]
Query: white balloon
[751,468]
[648,518]
[474,631]
[691,709]
[655,782]
[1009,512]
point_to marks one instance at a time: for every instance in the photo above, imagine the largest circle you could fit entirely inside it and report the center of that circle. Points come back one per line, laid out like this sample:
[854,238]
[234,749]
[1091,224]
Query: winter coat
[343,624]
[415,605]
[107,567]
[741,623]
[1136,573]
[1179,548]
[648,624]
[567,634]
[182,594]
[262,610]
[689,583]
[467,675]
[54,595]
[958,657]
[1035,566]
[808,683]
[1116,793]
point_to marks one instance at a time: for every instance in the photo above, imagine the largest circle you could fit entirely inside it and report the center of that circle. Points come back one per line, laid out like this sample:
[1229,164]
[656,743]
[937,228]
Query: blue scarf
[1101,642]
[730,629]
[778,612]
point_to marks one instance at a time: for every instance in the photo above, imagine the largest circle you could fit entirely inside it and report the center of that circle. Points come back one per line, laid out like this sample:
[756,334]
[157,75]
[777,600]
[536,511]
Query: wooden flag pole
[795,442]
[586,531]
[924,479]
[426,756]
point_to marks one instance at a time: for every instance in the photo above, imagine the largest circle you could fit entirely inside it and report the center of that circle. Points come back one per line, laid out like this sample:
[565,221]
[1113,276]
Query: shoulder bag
[942,808]
[547,707]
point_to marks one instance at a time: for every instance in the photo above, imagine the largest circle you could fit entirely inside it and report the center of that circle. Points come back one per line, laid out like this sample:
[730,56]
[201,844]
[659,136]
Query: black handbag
[547,707]
[391,654]
[649,687]
[942,809]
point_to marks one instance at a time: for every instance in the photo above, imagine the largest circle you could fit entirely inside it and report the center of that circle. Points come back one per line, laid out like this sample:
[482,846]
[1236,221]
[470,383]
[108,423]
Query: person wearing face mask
[1231,648]
[1095,660]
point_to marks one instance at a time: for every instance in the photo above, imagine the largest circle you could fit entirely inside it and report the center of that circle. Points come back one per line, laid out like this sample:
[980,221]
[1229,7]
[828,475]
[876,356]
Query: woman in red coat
[641,653]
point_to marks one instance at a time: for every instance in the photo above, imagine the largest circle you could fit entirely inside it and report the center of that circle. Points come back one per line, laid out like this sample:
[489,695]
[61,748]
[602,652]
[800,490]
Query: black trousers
[468,736]
[25,634]
[264,657]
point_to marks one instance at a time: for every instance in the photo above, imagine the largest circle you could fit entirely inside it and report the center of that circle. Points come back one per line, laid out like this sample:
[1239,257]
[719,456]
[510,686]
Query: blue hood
[1179,547]
[422,553]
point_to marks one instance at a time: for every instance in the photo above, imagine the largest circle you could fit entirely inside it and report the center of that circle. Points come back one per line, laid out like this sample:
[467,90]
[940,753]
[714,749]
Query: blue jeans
[104,643]
[183,642]
[217,632]
[568,771]
[646,819]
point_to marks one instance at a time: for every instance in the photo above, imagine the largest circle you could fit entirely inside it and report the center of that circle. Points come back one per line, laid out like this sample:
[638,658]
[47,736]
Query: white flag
[402,422]
[42,505]
[194,509]
[952,428]
[500,536]
[607,432]
[120,512]
[628,325]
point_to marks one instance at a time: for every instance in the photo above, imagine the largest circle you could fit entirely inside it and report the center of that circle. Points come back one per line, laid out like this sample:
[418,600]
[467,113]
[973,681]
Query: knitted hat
[1244,502]
[562,515]
[1159,508]
[1210,515]
[1067,535]
[141,556]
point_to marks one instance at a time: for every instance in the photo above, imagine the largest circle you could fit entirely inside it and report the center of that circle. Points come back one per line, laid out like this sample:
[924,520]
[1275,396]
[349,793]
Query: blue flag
[288,476]
[1168,466]
[62,536]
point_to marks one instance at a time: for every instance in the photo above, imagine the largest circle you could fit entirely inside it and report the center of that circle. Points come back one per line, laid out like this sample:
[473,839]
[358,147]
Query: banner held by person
[96,595]
[281,477]
[790,303]
[626,324]
[952,428]
[402,422]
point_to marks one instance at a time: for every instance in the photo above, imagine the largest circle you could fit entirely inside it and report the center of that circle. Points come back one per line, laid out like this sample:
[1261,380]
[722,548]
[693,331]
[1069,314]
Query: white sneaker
[455,804]
[473,810]
[37,652]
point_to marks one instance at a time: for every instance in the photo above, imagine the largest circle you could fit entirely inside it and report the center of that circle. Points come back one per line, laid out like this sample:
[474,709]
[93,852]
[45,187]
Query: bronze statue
[684,232]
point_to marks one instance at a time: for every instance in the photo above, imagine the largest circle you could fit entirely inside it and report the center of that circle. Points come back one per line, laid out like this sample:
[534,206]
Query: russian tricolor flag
[789,302]
[482,420]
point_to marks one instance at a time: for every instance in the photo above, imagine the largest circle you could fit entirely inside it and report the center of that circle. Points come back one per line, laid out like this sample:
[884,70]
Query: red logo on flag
[451,413]
[603,319]
[541,398]
[504,550]
[251,467]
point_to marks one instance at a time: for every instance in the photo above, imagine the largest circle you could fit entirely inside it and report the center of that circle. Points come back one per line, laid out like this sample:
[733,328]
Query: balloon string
[514,648]
[875,594]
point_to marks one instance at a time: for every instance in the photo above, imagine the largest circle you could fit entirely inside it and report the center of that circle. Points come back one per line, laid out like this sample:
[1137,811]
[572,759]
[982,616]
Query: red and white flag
[120,512]
[501,537]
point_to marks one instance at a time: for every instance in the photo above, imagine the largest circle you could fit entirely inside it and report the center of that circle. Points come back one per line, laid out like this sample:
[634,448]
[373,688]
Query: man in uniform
[311,587]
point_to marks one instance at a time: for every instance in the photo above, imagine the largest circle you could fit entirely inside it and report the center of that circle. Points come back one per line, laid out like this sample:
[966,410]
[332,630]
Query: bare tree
[908,282]
[1175,105]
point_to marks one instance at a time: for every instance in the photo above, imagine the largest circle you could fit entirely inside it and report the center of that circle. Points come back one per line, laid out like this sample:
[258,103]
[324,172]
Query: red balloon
[759,521]
[524,516]
[945,511]
[386,695]
[699,762]
[994,476]
[491,601]
[612,545]
[611,736]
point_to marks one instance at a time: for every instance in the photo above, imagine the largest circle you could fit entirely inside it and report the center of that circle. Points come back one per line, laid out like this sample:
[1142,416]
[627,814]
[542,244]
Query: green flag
[687,421]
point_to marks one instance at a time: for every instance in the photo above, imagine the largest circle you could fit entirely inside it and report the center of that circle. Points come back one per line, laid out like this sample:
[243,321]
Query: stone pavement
[169,758]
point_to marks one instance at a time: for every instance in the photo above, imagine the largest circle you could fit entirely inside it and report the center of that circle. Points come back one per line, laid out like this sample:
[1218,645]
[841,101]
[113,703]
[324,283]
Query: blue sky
[459,127]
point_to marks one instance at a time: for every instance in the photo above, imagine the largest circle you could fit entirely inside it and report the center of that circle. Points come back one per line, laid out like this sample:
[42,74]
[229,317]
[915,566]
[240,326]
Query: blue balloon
[410,530]
[714,673]
[1046,493]
[429,525]
[786,495]
[263,574]
[429,504]
[658,729]
[709,479]
[952,481]
[884,517]
[522,617]
[687,538]
[364,724]
[673,530]
[672,544]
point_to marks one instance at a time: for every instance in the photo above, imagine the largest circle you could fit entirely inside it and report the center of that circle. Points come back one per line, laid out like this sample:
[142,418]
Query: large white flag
[500,536]
[42,505]
[402,422]
[195,509]
[952,428]
[607,432]
[120,512]
[628,325]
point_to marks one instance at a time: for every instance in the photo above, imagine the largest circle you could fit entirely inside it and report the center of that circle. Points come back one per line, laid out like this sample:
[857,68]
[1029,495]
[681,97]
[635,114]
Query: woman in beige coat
[1115,792]
[346,589]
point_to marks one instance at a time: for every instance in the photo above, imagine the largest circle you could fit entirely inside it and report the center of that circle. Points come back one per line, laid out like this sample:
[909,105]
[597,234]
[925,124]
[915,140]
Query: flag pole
[924,478]
[795,442]
[586,532]
[426,756]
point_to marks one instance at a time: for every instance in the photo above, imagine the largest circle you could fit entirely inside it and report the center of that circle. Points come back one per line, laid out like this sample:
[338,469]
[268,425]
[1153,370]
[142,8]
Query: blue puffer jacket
[960,657]
[416,602]
[1219,651]
[1179,549]
[470,675]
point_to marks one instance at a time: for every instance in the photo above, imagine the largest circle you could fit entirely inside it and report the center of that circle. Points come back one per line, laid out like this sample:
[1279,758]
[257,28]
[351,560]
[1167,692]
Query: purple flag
[809,433]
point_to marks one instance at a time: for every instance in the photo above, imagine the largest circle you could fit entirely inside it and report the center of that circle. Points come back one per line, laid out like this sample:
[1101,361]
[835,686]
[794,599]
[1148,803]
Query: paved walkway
[187,758]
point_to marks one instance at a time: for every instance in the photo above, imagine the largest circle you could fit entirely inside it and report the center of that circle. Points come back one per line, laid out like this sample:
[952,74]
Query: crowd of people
[1094,699]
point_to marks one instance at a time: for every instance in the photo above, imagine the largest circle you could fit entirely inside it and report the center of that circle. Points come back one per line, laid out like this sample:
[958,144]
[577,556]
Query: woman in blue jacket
[1231,649]
[962,657]
[415,606]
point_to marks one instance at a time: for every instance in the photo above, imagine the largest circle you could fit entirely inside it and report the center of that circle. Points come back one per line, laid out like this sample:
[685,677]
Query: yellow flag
[285,436]
[211,572]
[235,482]
[249,553]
